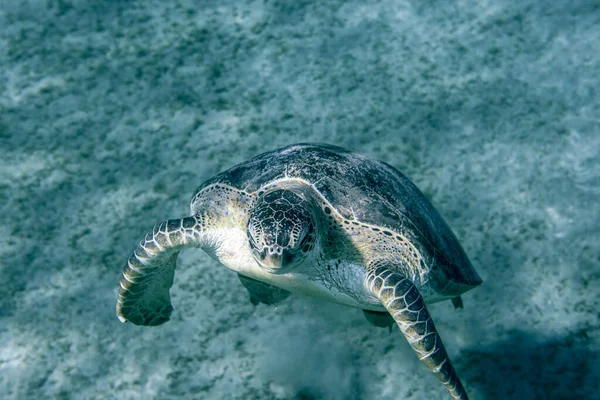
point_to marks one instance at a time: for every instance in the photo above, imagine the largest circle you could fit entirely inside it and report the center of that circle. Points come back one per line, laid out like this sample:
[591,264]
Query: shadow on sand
[529,367]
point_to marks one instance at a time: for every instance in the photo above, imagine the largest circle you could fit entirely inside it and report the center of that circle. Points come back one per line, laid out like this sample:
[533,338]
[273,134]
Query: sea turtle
[319,220]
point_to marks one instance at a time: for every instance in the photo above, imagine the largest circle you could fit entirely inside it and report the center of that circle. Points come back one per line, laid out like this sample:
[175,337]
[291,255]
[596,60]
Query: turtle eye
[252,232]
[306,243]
[251,239]
[252,242]
[259,254]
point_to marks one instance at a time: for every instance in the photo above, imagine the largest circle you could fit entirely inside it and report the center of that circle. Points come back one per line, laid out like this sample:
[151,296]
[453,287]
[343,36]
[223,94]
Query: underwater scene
[329,179]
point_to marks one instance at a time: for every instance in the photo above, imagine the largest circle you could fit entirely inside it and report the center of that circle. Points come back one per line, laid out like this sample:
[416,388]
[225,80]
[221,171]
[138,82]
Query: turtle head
[281,230]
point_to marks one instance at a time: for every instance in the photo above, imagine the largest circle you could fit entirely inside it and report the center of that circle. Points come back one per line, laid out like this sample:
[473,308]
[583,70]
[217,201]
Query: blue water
[113,112]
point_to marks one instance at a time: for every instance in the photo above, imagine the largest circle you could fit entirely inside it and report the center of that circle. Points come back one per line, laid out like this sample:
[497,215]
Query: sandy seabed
[113,112]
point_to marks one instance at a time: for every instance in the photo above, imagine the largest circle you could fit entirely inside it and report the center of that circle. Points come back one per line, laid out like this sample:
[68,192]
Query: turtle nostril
[275,250]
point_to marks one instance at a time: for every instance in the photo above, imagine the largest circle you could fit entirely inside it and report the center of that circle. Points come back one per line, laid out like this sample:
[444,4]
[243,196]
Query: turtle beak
[275,262]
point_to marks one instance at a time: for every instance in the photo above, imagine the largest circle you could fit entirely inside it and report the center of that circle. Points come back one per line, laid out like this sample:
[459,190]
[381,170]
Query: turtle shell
[365,190]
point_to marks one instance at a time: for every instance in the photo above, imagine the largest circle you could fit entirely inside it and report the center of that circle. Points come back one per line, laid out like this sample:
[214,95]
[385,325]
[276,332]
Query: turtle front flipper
[144,297]
[405,304]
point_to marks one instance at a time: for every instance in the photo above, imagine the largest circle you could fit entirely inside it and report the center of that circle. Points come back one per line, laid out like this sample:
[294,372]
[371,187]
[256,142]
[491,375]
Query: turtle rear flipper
[457,302]
[261,292]
[379,319]
[144,297]
[405,304]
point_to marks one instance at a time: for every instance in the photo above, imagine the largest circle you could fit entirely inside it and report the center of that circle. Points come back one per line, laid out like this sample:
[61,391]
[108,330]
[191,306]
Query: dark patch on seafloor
[529,367]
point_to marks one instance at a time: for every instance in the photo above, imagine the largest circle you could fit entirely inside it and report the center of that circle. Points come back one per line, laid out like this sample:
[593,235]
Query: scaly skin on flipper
[148,274]
[405,304]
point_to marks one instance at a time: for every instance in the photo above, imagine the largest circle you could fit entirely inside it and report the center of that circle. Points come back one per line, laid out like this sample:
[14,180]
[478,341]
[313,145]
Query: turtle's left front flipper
[405,304]
[144,297]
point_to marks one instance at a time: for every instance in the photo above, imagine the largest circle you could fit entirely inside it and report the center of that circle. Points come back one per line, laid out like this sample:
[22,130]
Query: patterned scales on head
[319,220]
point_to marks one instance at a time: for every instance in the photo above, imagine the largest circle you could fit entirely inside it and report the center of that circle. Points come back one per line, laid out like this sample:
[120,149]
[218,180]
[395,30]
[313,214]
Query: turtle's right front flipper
[404,303]
[144,297]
